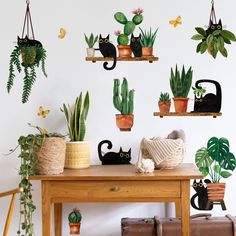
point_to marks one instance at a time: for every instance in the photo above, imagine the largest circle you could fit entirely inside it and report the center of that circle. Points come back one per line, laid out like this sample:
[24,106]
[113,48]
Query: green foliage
[199,92]
[180,82]
[91,40]
[75,216]
[148,38]
[76,117]
[164,97]
[122,39]
[32,57]
[216,160]
[124,101]
[214,42]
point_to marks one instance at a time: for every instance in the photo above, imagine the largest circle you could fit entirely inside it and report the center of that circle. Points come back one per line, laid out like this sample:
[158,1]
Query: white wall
[69,73]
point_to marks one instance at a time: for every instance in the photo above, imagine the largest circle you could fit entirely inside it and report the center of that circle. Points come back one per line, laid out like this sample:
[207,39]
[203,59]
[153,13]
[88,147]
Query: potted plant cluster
[77,150]
[91,40]
[129,27]
[74,221]
[124,102]
[147,41]
[164,102]
[27,56]
[180,84]
[217,162]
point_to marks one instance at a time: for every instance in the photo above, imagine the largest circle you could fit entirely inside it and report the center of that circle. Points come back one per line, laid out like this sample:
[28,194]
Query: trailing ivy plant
[32,57]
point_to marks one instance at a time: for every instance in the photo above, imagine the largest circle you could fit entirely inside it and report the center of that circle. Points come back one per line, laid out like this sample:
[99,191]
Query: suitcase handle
[233,219]
[206,215]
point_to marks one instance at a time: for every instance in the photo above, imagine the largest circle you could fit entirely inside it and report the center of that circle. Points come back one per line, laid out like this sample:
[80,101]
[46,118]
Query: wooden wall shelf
[95,59]
[213,114]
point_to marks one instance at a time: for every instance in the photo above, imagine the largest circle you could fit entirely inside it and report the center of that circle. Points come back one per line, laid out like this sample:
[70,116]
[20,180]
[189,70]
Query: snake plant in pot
[180,83]
[218,162]
[77,150]
[124,103]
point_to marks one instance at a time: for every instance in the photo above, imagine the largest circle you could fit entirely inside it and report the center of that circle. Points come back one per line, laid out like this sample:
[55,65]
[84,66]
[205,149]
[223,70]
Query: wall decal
[113,158]
[62,33]
[75,218]
[164,102]
[214,38]
[43,112]
[209,102]
[135,45]
[32,53]
[91,40]
[176,22]
[124,102]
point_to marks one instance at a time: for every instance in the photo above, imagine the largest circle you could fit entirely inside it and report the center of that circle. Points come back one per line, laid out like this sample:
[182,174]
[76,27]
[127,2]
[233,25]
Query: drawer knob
[114,189]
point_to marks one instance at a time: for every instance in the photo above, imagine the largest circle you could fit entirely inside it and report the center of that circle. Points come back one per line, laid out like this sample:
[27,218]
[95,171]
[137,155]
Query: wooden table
[115,183]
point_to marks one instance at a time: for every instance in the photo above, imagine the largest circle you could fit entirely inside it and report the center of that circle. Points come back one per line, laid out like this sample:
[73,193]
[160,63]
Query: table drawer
[105,190]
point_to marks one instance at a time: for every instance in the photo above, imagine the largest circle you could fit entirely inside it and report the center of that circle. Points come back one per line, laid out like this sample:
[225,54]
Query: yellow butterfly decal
[176,22]
[43,112]
[62,33]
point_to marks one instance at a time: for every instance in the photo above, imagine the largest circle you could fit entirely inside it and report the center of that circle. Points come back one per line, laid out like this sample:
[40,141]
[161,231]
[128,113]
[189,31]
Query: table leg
[185,205]
[46,210]
[178,209]
[58,218]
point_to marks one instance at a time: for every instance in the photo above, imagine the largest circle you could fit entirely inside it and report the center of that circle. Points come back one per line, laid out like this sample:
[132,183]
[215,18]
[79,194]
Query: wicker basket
[51,156]
[77,155]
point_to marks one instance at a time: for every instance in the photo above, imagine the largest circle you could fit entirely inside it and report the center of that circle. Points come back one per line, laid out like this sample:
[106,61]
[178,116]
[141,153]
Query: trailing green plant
[32,57]
[199,92]
[180,82]
[123,101]
[91,40]
[75,216]
[164,97]
[213,42]
[148,37]
[76,117]
[129,26]
[216,160]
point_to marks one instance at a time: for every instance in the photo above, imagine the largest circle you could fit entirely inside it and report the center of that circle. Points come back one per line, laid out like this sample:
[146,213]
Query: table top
[184,171]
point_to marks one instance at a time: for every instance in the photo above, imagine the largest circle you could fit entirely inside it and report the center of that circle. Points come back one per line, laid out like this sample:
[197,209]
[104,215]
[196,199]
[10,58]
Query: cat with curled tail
[107,49]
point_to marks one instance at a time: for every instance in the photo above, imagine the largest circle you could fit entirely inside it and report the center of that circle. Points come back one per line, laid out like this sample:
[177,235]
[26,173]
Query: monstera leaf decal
[229,162]
[203,161]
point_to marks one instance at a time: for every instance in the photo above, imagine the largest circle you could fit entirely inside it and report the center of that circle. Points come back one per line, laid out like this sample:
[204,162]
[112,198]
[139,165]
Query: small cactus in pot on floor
[74,221]
[164,102]
[124,103]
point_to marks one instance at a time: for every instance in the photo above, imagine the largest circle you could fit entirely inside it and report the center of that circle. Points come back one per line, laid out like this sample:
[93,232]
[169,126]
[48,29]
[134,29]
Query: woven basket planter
[77,155]
[51,156]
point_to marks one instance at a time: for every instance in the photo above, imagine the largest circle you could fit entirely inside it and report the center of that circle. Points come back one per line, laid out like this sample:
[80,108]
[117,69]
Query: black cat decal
[213,27]
[209,102]
[201,193]
[107,49]
[113,158]
[136,46]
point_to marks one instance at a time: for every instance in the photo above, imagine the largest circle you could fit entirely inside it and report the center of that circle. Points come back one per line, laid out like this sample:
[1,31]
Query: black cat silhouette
[201,193]
[136,46]
[209,102]
[113,158]
[24,42]
[107,49]
[213,27]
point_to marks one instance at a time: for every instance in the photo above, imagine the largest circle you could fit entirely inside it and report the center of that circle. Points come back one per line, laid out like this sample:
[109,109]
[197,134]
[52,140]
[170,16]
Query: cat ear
[140,35]
[108,36]
[129,151]
[100,36]
[211,23]
[18,38]
[220,23]
[132,35]
[121,149]
[194,181]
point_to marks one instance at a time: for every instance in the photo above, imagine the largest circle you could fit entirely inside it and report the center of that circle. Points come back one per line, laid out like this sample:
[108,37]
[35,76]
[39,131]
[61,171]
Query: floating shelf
[213,114]
[149,59]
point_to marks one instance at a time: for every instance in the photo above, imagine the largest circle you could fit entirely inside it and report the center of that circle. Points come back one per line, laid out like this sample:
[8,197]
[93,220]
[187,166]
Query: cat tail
[109,146]
[193,202]
[113,66]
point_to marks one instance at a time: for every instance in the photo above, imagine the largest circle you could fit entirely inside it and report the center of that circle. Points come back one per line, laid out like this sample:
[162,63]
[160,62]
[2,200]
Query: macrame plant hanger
[28,26]
[212,14]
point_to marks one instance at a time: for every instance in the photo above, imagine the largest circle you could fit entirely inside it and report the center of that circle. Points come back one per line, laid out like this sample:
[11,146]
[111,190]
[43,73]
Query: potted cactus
[164,103]
[180,83]
[91,40]
[74,221]
[129,27]
[124,103]
[77,150]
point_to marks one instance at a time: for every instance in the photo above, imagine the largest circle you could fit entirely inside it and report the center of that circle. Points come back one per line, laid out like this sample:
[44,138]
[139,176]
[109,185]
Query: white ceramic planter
[90,52]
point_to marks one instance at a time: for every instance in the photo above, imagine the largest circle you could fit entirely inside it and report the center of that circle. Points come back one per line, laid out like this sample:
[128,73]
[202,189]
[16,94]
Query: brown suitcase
[201,225]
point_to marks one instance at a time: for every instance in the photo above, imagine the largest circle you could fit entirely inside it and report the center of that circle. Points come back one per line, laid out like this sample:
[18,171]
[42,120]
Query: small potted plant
[129,27]
[77,150]
[180,84]
[124,103]
[164,102]
[218,162]
[199,91]
[74,221]
[91,40]
[147,41]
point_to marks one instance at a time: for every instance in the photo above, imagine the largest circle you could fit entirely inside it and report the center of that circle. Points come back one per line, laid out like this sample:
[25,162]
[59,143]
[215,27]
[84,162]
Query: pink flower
[137,11]
[76,210]
[117,32]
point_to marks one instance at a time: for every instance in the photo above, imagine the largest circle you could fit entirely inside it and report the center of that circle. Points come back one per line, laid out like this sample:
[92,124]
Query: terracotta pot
[124,51]
[124,122]
[180,104]
[216,191]
[90,52]
[74,228]
[147,52]
[164,107]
